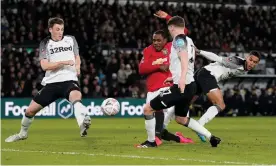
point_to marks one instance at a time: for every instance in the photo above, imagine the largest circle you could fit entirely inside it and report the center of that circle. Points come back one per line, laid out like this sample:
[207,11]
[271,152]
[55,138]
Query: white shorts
[152,95]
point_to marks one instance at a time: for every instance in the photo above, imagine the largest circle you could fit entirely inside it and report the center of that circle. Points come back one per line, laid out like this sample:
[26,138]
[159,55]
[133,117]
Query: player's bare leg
[216,97]
[150,123]
[80,112]
[26,121]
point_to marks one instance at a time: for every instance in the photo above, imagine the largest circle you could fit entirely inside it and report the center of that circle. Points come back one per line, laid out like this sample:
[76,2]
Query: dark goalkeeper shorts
[53,91]
[205,81]
[173,97]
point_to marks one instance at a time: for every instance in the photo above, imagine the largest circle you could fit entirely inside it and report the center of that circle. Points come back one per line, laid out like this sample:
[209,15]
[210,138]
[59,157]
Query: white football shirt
[55,51]
[182,42]
[220,72]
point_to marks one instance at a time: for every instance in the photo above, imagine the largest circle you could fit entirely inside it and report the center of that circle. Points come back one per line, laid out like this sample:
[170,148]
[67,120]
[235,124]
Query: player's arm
[210,56]
[77,55]
[164,15]
[180,44]
[44,62]
[147,65]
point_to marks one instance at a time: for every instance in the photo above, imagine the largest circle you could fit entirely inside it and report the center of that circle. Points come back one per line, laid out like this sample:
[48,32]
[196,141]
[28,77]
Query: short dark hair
[255,53]
[55,20]
[177,21]
[160,32]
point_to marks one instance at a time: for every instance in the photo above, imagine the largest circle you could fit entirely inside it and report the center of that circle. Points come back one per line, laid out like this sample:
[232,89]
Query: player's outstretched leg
[216,97]
[150,127]
[194,125]
[26,121]
[80,111]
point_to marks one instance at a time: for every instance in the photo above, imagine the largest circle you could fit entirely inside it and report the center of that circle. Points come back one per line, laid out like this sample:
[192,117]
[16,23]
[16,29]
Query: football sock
[166,135]
[150,127]
[80,111]
[194,125]
[209,115]
[25,124]
[168,117]
[159,116]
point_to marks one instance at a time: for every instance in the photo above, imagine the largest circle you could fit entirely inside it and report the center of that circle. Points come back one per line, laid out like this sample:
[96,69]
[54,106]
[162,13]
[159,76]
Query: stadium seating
[111,37]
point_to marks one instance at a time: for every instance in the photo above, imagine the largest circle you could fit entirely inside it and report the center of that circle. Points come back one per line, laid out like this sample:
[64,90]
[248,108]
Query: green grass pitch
[111,141]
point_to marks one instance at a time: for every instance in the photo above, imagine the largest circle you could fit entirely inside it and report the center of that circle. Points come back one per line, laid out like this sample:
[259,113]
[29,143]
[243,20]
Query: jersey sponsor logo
[65,109]
[60,49]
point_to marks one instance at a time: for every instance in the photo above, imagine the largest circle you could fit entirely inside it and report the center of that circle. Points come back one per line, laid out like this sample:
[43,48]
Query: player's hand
[161,14]
[169,80]
[70,62]
[164,67]
[181,85]
[78,70]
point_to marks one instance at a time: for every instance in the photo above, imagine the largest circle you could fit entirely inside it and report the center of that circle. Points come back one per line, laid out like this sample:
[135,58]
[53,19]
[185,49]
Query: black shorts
[53,91]
[205,81]
[173,97]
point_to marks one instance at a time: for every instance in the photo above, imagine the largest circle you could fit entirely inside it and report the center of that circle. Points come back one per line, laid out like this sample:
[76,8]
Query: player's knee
[148,109]
[181,120]
[33,108]
[219,104]
[30,112]
[75,95]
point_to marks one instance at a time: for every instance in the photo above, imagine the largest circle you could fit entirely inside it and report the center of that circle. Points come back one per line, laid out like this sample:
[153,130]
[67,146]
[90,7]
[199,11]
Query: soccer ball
[110,106]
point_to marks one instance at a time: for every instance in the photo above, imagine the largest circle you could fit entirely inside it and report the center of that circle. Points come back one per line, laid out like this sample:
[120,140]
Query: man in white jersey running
[182,58]
[59,57]
[208,77]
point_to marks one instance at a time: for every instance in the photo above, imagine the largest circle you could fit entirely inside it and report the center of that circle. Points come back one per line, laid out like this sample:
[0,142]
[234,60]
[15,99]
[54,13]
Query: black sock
[27,116]
[159,117]
[166,135]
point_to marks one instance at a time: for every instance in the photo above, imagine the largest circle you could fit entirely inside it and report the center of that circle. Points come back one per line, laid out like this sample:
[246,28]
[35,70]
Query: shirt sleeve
[75,46]
[145,66]
[180,43]
[43,53]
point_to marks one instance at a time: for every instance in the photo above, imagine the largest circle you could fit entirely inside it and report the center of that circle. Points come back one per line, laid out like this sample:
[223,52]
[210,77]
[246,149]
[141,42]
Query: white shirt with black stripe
[56,51]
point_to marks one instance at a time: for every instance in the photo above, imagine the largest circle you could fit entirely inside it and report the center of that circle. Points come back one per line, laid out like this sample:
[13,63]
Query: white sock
[25,124]
[150,127]
[209,115]
[168,117]
[80,112]
[194,125]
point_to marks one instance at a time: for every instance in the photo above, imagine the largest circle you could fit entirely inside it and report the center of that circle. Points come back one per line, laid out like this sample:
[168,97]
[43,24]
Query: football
[110,106]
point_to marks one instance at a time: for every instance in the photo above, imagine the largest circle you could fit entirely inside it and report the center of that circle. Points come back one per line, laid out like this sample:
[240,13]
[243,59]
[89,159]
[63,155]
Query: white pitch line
[128,156]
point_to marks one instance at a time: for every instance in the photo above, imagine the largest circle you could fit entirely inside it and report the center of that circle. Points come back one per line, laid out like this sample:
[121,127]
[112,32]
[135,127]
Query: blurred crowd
[115,74]
[131,25]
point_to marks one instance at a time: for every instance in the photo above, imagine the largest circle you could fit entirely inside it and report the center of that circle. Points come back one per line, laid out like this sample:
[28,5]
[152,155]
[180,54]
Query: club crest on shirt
[165,51]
